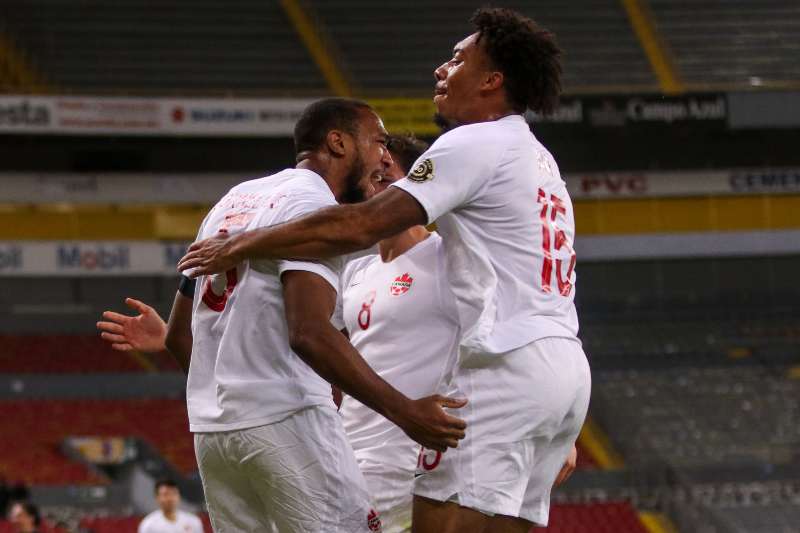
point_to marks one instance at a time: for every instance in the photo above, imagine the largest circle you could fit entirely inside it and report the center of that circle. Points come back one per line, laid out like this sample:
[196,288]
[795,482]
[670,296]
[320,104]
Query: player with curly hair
[508,229]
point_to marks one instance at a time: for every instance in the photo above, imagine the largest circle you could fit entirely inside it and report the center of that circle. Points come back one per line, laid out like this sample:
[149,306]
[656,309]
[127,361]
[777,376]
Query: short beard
[444,124]
[353,192]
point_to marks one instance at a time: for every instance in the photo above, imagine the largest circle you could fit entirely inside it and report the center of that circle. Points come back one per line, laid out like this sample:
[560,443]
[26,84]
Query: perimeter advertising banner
[79,259]
[275,117]
[206,189]
[79,115]
[90,258]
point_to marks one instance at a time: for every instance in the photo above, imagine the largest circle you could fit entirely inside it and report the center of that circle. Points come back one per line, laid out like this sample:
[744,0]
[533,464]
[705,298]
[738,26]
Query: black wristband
[186,287]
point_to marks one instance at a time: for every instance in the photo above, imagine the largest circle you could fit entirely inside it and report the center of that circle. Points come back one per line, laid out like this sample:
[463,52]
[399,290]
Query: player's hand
[144,332]
[209,256]
[427,423]
[568,468]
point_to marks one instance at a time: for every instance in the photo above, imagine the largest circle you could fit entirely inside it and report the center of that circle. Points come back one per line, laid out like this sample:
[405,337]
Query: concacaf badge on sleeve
[422,172]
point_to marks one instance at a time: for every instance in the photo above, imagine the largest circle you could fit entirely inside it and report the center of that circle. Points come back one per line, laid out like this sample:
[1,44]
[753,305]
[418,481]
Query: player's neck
[488,113]
[324,167]
[395,246]
[170,515]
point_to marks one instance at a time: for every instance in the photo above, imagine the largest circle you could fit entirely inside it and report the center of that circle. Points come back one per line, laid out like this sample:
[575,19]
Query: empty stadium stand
[33,431]
[394,46]
[126,47]
[387,47]
[71,354]
[691,417]
[746,43]
[612,517]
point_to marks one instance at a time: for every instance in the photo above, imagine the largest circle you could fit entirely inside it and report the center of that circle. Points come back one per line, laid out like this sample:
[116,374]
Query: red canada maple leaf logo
[401,285]
[374,521]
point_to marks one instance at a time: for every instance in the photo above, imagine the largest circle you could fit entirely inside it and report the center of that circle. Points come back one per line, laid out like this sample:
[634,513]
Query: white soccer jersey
[184,522]
[401,317]
[507,222]
[243,373]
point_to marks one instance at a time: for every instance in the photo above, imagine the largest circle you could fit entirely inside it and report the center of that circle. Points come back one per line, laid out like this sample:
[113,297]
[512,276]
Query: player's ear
[336,142]
[493,80]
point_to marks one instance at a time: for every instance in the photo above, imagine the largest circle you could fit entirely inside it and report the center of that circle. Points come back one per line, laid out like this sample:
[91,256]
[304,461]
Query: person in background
[168,518]
[24,517]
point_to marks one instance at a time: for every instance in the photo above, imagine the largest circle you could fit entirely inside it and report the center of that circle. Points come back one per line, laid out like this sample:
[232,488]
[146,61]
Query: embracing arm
[309,301]
[326,233]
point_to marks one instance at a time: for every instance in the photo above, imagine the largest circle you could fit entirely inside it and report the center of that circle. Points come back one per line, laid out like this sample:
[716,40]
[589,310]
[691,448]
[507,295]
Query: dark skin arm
[328,352]
[179,331]
[326,233]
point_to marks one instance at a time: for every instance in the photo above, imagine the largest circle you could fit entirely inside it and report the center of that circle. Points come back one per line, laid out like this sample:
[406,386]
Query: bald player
[269,445]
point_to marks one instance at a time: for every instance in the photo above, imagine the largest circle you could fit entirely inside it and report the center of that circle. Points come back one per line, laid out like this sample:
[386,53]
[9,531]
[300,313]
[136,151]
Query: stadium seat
[70,354]
[41,425]
[614,517]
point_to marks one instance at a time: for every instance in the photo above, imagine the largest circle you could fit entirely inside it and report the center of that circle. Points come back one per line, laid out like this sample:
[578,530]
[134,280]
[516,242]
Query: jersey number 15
[554,238]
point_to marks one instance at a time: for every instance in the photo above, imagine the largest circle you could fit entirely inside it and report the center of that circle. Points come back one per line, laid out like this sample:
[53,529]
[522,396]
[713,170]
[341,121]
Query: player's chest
[389,297]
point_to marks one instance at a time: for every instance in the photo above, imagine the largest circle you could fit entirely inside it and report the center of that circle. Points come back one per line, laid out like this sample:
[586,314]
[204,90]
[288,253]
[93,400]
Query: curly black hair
[525,53]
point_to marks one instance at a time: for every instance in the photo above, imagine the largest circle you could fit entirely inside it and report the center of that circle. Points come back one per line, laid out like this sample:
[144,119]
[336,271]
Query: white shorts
[525,410]
[296,475]
[391,491]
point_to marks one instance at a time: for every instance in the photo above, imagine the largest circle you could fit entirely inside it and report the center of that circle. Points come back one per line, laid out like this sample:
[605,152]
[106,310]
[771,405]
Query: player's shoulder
[149,520]
[189,517]
[480,139]
[304,184]
[486,131]
[356,265]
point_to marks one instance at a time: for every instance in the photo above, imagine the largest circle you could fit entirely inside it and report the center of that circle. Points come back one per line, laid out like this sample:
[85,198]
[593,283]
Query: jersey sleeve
[298,205]
[451,173]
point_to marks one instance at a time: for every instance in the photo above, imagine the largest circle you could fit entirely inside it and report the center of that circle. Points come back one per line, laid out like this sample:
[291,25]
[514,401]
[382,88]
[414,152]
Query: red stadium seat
[69,354]
[33,430]
[585,459]
[616,517]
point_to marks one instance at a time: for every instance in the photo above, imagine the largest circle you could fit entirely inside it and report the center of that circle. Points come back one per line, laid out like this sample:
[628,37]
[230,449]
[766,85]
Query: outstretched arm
[309,301]
[179,331]
[326,233]
[147,332]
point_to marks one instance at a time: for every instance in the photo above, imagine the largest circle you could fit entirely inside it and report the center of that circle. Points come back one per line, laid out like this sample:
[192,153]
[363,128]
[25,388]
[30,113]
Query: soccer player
[268,441]
[400,314]
[384,299]
[168,518]
[508,229]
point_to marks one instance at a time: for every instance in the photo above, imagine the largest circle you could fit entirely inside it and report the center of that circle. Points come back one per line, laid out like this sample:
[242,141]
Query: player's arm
[148,333]
[329,232]
[569,466]
[309,301]
[144,332]
[179,330]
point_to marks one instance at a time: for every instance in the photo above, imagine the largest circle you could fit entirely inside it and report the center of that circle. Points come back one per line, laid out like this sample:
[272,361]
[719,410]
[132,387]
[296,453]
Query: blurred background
[122,121]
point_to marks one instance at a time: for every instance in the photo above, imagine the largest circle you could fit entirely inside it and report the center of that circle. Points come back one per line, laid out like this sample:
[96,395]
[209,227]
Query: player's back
[243,372]
[507,222]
